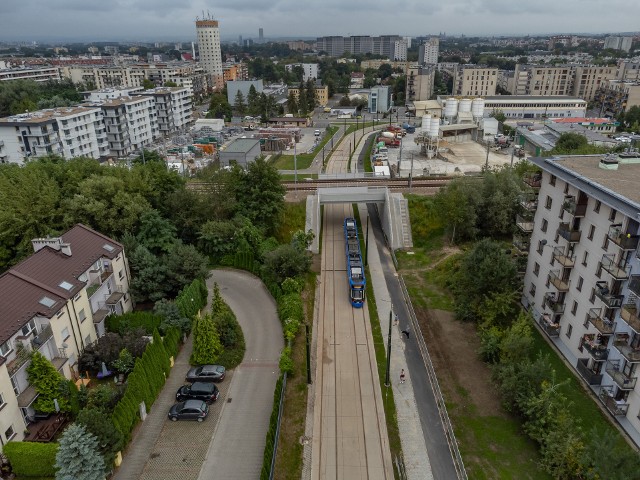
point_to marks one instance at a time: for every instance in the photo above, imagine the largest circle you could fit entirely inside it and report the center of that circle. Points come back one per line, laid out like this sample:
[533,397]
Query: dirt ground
[463,377]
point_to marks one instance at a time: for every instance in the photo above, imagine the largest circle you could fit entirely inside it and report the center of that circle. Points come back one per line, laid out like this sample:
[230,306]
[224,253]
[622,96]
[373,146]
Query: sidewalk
[414,449]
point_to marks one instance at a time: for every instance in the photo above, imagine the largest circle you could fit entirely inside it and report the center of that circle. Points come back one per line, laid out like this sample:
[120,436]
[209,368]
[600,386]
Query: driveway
[237,447]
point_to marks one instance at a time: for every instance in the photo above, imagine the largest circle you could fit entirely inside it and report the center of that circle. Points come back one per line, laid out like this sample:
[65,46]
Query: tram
[355,267]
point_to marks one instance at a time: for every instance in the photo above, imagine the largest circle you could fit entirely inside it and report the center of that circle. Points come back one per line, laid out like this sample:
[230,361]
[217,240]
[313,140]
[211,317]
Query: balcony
[563,258]
[23,352]
[603,325]
[619,272]
[556,280]
[529,201]
[604,294]
[533,179]
[115,296]
[598,351]
[625,241]
[591,377]
[549,327]
[621,342]
[521,244]
[616,407]
[571,206]
[554,304]
[629,313]
[570,234]
[624,381]
[634,284]
[524,224]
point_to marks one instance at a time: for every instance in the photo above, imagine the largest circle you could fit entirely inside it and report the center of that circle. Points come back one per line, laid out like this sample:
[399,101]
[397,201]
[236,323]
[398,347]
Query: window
[574,307]
[77,297]
[566,188]
[47,302]
[596,207]
[29,327]
[121,274]
[580,282]
[612,215]
[569,331]
[548,202]
[552,180]
[5,349]
[66,285]
[87,340]
[2,402]
[65,334]
[605,243]
[81,315]
[60,313]
[599,270]
[592,297]
[72,360]
[532,290]
[592,230]
[585,256]
[544,225]
[9,433]
[536,269]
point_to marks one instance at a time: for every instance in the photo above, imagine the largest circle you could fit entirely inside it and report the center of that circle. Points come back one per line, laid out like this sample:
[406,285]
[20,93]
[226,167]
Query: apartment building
[543,80]
[615,97]
[428,52]
[173,108]
[38,74]
[105,77]
[321,94]
[420,81]
[391,46]
[580,227]
[309,70]
[476,80]
[618,43]
[235,71]
[55,302]
[628,71]
[68,132]
[589,78]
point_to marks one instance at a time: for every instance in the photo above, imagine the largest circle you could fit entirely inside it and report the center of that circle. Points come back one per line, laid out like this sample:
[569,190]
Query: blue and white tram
[355,266]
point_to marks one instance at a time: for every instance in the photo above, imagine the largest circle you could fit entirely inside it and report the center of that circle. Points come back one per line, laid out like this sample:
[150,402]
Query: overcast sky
[103,20]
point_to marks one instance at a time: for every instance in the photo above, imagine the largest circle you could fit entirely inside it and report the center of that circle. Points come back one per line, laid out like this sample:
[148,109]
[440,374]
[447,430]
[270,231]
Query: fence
[277,431]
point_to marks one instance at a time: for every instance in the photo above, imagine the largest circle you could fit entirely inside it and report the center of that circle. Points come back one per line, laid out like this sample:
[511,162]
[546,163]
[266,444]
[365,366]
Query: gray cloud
[170,19]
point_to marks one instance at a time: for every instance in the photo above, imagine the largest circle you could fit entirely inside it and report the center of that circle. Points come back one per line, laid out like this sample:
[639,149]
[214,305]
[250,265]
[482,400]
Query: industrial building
[579,227]
[380,99]
[241,151]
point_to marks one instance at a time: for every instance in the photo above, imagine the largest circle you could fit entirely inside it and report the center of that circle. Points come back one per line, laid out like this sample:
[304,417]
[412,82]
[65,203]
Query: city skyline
[77,20]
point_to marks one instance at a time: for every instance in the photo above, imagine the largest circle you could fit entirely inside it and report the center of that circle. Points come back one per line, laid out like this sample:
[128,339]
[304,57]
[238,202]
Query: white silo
[434,129]
[464,106]
[451,108]
[477,108]
[426,123]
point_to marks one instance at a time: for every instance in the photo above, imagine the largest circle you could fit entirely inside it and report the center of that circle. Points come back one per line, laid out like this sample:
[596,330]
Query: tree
[98,422]
[239,103]
[345,101]
[216,238]
[292,104]
[149,274]
[458,204]
[184,264]
[619,463]
[252,101]
[172,317]
[206,341]
[286,261]
[157,234]
[78,456]
[170,84]
[498,115]
[148,84]
[311,95]
[48,383]
[219,107]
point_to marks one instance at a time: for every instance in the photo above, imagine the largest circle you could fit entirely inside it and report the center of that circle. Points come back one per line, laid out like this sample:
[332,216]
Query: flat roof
[536,98]
[43,116]
[242,145]
[590,121]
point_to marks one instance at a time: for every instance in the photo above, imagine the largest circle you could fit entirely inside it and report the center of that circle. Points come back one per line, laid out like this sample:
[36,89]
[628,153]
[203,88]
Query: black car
[189,410]
[207,392]
[206,373]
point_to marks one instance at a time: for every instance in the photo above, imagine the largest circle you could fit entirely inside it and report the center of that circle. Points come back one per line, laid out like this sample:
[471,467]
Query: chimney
[40,243]
[66,249]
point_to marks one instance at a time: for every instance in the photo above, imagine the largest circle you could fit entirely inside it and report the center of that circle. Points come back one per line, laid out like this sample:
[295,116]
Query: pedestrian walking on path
[402,376]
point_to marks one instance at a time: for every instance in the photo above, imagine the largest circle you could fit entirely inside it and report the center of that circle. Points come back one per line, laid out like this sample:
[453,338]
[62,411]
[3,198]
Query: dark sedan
[206,373]
[189,410]
[205,391]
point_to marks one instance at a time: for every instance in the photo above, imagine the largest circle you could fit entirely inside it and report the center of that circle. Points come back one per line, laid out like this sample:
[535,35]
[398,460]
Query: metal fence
[277,434]
[442,409]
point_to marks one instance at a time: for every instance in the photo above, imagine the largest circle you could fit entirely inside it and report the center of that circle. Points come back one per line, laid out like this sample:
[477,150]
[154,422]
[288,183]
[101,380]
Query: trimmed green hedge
[132,320]
[271,433]
[32,459]
[192,298]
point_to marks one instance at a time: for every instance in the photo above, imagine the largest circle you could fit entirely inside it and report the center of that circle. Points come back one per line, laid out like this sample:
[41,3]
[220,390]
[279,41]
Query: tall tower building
[261,34]
[209,47]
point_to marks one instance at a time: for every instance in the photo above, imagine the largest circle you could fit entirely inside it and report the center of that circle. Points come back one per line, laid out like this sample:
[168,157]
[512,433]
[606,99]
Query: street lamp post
[486,163]
[295,165]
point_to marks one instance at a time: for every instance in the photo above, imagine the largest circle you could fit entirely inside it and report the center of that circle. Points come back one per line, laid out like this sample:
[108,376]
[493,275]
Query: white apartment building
[210,55]
[55,302]
[309,70]
[428,52]
[111,93]
[399,53]
[474,80]
[618,43]
[105,77]
[39,74]
[173,108]
[68,132]
[580,224]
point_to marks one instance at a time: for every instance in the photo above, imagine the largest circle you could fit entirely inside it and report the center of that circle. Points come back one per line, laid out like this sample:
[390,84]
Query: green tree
[148,84]
[78,456]
[458,204]
[149,275]
[157,234]
[216,238]
[311,95]
[239,103]
[292,104]
[252,101]
[619,463]
[170,84]
[48,383]
[206,341]
[171,317]
[98,422]
[219,107]
[184,264]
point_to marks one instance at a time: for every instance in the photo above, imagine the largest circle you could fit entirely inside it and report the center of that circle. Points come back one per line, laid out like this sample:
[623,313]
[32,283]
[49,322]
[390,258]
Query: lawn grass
[367,154]
[303,160]
[293,219]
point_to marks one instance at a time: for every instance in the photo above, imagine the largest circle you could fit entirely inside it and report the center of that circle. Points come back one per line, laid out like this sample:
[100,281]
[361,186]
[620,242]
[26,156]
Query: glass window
[9,433]
[29,327]
[81,315]
[65,333]
[5,349]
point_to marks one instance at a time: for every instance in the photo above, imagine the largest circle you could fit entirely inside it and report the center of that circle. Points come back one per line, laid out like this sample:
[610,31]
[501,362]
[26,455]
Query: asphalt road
[436,442]
[236,450]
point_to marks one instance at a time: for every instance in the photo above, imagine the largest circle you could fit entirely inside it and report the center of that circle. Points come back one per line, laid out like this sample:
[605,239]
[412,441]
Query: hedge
[271,433]
[146,380]
[32,459]
[192,298]
[132,320]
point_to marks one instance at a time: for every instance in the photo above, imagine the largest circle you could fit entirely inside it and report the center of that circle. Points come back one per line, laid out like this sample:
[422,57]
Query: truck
[389,142]
[409,128]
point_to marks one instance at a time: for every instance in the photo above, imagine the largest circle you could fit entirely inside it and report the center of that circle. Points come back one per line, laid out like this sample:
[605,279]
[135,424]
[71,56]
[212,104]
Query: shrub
[192,298]
[206,341]
[271,433]
[49,383]
[286,362]
[31,459]
[98,422]
[78,456]
[108,347]
[172,317]
[132,321]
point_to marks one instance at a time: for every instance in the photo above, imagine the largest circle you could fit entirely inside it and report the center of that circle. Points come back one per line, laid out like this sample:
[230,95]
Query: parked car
[205,391]
[206,373]
[317,133]
[189,410]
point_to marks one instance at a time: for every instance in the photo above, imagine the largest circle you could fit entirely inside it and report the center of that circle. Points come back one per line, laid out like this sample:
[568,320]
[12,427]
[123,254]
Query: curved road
[236,450]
